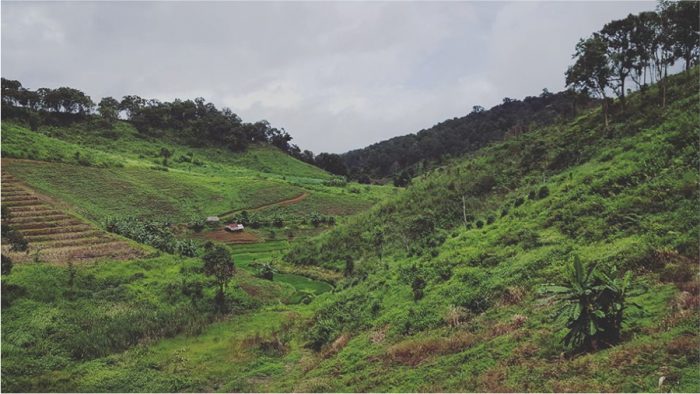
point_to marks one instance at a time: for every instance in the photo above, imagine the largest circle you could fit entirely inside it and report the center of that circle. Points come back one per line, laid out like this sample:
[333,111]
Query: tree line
[195,122]
[638,49]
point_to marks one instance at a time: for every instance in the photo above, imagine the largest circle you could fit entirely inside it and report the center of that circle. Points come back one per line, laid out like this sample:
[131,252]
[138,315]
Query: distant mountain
[413,152]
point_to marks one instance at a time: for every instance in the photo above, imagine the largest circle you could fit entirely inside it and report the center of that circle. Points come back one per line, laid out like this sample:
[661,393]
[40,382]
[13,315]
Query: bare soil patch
[221,235]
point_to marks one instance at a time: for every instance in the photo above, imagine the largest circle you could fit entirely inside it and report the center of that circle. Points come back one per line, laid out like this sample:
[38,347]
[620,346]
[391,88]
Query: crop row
[53,235]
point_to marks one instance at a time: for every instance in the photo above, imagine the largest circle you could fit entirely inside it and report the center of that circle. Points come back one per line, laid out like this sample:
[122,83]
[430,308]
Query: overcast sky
[336,76]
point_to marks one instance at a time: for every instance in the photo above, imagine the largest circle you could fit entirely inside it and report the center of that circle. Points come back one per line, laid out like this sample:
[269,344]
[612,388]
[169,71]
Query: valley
[549,244]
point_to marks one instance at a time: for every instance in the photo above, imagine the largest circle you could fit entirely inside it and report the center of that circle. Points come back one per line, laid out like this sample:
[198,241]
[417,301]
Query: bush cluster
[156,234]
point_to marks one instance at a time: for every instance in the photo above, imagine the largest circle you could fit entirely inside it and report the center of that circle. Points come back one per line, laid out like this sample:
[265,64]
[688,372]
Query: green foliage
[219,264]
[401,157]
[197,224]
[336,182]
[593,304]
[6,265]
[417,287]
[156,234]
[266,271]
[627,199]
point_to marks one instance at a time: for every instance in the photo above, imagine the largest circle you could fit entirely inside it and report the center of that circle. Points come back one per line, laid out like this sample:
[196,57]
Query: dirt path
[282,203]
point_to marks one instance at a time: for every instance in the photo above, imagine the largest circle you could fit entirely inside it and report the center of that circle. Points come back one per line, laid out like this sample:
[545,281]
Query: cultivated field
[55,235]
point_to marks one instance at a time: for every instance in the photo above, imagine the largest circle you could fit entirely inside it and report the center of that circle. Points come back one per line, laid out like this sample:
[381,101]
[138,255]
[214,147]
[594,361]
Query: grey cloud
[337,76]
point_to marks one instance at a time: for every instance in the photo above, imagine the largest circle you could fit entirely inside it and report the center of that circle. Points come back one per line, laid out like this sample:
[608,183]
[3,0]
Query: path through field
[54,235]
[282,203]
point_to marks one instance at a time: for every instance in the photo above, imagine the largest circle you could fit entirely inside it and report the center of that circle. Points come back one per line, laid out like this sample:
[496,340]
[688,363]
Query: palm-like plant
[593,305]
[266,271]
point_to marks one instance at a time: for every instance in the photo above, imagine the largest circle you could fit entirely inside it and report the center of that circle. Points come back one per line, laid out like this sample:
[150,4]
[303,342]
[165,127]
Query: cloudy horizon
[336,76]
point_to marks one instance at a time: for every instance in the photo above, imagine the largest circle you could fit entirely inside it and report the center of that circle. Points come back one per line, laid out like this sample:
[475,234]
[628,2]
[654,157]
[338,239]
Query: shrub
[336,182]
[197,224]
[455,315]
[593,305]
[518,202]
[417,287]
[9,235]
[484,184]
[527,238]
[543,192]
[479,224]
[266,271]
[6,265]
[186,248]
[156,234]
[490,219]
[185,158]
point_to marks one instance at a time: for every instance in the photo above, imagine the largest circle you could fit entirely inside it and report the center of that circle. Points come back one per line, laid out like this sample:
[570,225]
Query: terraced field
[54,235]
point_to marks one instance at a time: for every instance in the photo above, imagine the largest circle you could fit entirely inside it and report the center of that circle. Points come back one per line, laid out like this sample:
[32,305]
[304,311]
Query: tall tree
[11,91]
[109,110]
[218,263]
[664,56]
[617,36]
[643,44]
[591,72]
[131,105]
[684,24]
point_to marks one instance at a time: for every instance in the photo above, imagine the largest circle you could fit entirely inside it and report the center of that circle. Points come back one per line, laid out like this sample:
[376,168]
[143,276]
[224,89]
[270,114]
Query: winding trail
[283,203]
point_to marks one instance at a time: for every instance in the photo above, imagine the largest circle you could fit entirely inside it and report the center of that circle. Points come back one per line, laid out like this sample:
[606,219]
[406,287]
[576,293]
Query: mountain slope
[624,197]
[454,137]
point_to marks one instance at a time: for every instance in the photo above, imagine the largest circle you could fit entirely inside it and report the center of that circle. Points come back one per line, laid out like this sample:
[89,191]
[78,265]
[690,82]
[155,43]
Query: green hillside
[122,174]
[624,197]
[446,299]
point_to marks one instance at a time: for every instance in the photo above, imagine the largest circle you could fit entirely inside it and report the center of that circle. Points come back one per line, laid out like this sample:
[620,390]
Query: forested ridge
[411,153]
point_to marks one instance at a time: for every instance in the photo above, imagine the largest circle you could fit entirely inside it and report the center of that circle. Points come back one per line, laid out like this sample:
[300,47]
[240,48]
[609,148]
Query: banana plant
[592,304]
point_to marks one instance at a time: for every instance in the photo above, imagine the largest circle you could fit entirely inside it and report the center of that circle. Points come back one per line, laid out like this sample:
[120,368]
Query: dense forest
[631,52]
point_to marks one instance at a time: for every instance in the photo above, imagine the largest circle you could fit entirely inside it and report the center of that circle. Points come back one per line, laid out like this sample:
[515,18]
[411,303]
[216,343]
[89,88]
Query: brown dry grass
[377,336]
[414,351]
[336,346]
[513,295]
[685,346]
